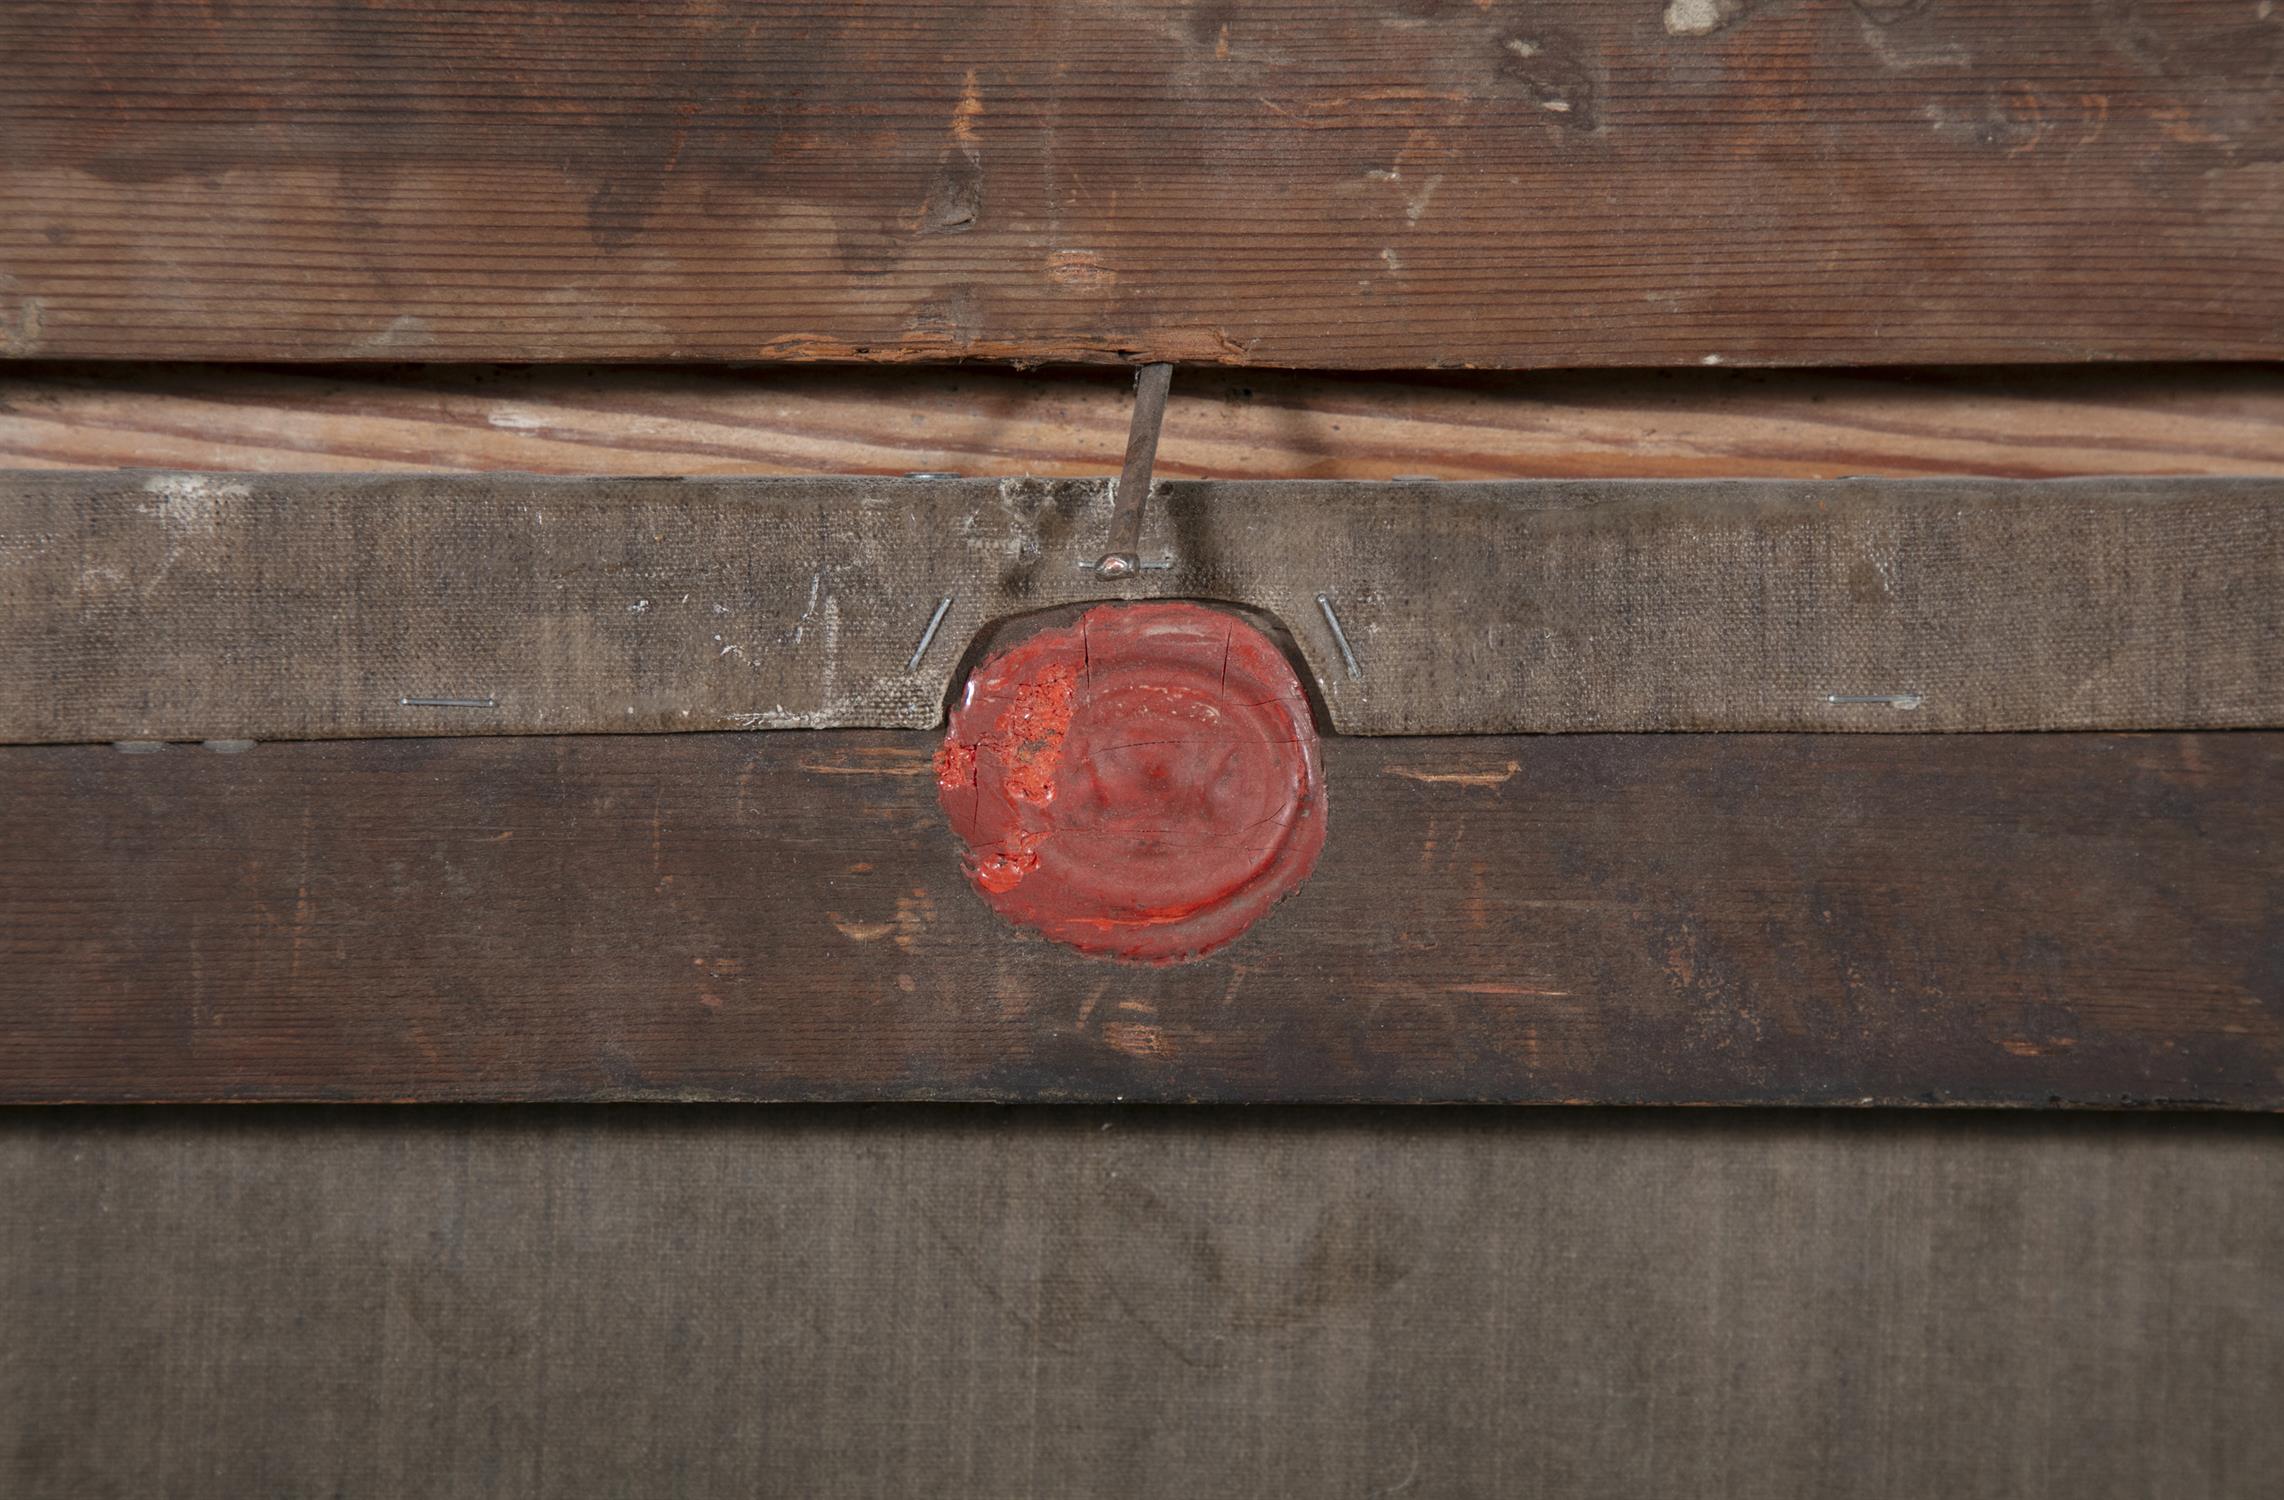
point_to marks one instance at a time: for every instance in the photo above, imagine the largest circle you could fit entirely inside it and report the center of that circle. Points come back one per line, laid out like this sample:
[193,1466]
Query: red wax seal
[1142,783]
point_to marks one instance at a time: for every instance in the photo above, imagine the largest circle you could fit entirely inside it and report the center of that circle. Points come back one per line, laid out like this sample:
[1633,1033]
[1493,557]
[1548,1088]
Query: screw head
[1116,565]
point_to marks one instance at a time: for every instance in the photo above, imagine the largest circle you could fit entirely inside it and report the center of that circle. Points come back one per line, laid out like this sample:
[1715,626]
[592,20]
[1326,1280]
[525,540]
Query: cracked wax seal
[1141,783]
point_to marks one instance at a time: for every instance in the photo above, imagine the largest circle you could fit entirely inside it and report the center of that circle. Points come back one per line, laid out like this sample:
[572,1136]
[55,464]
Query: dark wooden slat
[194,607]
[1765,919]
[1365,183]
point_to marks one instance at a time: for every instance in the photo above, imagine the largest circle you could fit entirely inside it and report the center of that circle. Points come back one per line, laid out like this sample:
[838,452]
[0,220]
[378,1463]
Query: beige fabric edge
[985,1302]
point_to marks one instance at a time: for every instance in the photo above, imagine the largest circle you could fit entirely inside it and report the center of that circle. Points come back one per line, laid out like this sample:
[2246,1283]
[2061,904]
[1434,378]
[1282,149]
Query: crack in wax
[1142,783]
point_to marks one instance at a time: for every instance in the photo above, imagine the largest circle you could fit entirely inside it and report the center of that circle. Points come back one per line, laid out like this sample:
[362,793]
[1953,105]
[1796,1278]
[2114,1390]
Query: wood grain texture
[1354,183]
[187,606]
[2018,422]
[1799,920]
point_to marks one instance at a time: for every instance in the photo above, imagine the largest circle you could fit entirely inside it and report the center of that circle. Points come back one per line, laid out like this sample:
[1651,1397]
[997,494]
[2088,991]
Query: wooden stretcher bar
[1352,183]
[1755,919]
[2015,422]
[185,606]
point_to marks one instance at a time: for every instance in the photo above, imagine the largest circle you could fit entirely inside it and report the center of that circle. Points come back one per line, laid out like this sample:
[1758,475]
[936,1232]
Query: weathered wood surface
[2023,422]
[1361,183]
[183,606]
[1764,919]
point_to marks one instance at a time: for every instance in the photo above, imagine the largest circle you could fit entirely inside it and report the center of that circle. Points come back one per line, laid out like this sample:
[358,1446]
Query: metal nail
[1147,565]
[447,703]
[928,636]
[1892,700]
[1123,557]
[1339,636]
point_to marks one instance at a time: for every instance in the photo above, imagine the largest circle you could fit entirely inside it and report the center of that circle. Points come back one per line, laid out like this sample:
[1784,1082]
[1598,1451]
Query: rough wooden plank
[285,607]
[1365,183]
[2019,422]
[1814,919]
